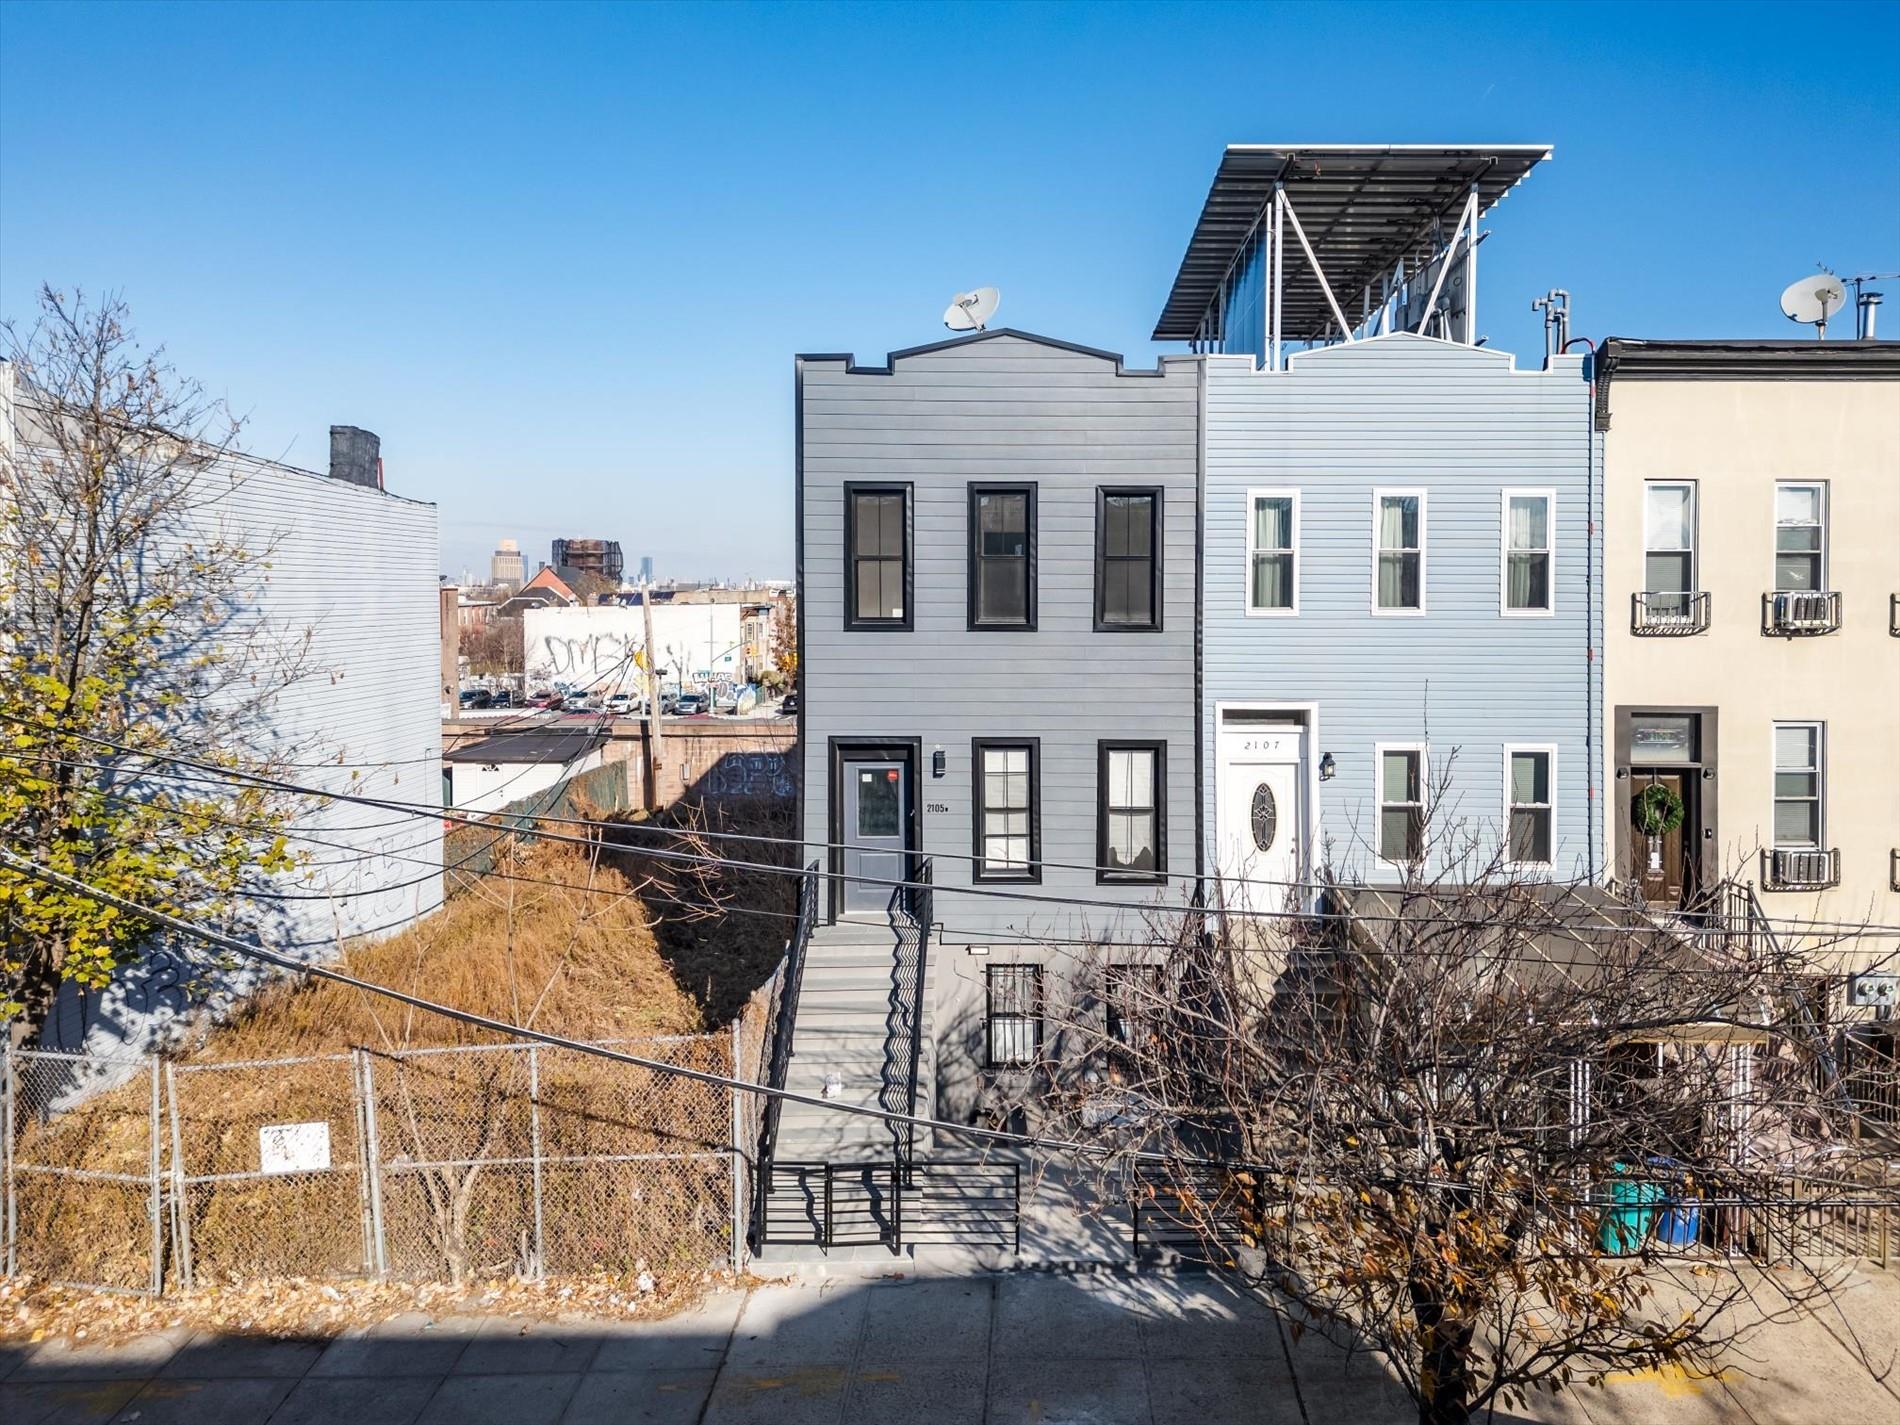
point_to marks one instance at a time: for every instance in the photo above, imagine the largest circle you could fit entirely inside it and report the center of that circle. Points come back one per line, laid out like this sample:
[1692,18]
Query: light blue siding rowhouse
[1461,424]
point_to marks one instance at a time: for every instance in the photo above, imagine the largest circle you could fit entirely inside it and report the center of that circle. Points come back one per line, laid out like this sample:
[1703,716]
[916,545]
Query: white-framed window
[1530,802]
[1800,785]
[1398,551]
[1527,553]
[1273,552]
[1669,542]
[1800,535]
[1400,768]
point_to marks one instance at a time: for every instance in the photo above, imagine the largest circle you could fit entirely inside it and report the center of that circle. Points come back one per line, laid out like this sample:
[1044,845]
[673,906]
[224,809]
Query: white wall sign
[293,1147]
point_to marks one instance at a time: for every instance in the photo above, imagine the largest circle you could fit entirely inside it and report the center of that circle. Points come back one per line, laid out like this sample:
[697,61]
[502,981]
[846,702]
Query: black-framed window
[1012,1015]
[1006,810]
[877,556]
[1127,559]
[1002,556]
[1131,811]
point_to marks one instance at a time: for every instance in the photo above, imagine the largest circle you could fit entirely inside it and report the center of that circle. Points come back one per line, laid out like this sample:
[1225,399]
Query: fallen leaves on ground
[306,1307]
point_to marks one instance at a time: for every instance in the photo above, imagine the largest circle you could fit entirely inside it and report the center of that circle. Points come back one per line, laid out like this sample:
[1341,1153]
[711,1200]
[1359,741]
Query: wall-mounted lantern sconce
[1327,767]
[937,763]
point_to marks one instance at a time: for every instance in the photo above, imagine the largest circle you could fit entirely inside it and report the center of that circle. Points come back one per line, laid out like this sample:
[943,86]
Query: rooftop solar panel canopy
[1363,206]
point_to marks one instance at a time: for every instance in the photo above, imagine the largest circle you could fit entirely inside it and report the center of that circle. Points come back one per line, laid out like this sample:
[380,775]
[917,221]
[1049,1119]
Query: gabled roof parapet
[973,338]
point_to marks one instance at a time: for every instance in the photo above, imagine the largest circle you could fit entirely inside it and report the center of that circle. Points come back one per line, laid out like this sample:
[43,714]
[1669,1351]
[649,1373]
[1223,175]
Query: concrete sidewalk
[1100,1349]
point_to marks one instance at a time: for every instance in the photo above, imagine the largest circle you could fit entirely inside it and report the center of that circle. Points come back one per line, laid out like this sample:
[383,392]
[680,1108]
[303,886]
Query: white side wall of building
[353,570]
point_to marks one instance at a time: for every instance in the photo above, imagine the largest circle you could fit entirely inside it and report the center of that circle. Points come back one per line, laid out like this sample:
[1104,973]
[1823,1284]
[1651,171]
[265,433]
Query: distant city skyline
[566,301]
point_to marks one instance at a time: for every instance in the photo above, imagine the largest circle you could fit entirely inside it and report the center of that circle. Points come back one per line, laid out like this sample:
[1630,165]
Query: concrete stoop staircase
[844,1036]
[842,1032]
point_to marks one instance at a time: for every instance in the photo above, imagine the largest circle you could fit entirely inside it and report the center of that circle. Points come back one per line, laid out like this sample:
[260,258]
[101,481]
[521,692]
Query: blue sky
[560,256]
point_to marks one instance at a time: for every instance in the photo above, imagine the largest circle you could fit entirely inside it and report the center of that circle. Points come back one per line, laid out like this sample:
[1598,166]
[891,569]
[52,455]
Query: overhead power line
[660,1067]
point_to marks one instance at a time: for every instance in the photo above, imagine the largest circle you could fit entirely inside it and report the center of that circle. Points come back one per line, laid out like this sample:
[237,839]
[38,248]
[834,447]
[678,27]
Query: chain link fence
[447,1165]
[84,1202]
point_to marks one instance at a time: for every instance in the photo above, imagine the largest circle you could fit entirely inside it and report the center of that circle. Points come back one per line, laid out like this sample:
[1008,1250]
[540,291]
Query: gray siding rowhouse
[1001,406]
[1463,425]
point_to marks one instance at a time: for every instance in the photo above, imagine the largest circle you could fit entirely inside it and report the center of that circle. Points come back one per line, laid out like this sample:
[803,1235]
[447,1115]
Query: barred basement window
[1013,1014]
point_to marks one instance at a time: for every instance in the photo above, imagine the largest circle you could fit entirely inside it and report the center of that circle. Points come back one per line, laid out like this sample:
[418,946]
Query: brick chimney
[356,456]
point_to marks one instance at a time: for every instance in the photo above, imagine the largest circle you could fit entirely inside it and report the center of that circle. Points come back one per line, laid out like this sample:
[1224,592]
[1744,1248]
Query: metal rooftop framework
[1381,237]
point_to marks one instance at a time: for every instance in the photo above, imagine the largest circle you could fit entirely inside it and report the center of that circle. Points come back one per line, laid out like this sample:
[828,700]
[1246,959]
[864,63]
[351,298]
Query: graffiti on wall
[748,774]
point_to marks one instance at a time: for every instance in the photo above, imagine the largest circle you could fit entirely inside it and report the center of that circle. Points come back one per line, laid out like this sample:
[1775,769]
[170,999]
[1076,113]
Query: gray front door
[876,811]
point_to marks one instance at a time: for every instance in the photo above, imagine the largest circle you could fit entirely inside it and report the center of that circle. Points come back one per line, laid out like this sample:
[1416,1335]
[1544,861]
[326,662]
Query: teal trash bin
[1630,1215]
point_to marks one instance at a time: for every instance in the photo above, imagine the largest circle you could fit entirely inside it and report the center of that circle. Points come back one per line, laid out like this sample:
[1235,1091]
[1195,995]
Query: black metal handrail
[1800,613]
[1893,614]
[1669,615]
[778,1058]
[1893,869]
[945,1202]
[910,912]
[1818,1041]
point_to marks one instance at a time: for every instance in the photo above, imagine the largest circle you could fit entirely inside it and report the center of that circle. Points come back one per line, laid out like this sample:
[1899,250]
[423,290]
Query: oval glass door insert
[1266,817]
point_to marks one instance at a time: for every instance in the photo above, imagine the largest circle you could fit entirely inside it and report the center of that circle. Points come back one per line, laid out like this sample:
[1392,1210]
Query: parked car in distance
[692,705]
[553,702]
[788,706]
[669,703]
[502,698]
[621,704]
[477,698]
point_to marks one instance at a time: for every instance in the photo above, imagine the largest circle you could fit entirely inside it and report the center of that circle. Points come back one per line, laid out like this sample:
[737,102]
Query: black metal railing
[1893,614]
[1800,613]
[1669,615]
[1819,1044]
[910,912]
[1800,868]
[780,1026]
[953,1202]
[1893,869]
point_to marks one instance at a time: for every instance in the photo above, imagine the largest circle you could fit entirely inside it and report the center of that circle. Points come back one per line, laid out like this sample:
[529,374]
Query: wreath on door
[1658,810]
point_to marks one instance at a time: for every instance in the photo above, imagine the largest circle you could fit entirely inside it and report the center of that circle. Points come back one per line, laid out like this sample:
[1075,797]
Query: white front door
[1260,817]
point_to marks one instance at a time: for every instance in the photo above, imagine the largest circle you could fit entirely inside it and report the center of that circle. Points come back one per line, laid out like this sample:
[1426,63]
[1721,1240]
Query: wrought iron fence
[423,1164]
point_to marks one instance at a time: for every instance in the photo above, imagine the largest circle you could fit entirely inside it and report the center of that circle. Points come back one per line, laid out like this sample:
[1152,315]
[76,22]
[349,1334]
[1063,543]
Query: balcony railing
[1795,613]
[1669,615]
[1786,868]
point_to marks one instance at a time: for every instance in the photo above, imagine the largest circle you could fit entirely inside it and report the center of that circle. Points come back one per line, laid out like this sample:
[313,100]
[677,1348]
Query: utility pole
[653,700]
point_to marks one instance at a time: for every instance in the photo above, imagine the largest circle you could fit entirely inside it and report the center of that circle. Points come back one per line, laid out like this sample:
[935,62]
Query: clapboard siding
[1003,408]
[1463,425]
[354,569]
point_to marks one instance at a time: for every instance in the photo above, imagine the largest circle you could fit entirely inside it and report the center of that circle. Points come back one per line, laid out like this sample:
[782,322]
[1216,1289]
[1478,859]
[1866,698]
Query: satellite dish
[970,311]
[1814,299]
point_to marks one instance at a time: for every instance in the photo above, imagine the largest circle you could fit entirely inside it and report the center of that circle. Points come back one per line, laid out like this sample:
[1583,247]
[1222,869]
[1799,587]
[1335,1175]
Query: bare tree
[131,634]
[1482,1125]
